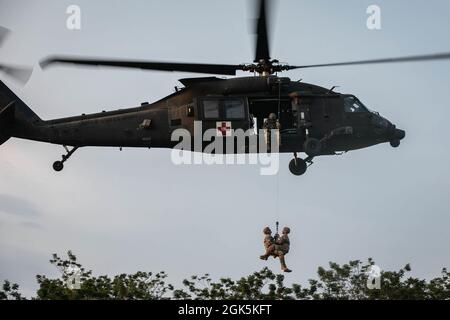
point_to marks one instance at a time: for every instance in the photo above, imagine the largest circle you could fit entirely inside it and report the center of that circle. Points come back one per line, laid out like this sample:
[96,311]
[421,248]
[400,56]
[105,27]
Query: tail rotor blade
[3,34]
[21,74]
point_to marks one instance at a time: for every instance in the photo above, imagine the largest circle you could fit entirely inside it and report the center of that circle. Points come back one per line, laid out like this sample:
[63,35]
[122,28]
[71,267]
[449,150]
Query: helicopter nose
[396,136]
[399,134]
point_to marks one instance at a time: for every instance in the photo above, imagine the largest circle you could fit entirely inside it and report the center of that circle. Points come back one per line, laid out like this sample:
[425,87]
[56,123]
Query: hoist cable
[278,179]
[279,99]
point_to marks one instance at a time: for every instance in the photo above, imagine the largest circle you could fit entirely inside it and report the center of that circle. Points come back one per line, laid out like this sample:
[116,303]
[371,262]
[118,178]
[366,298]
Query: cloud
[31,224]
[17,206]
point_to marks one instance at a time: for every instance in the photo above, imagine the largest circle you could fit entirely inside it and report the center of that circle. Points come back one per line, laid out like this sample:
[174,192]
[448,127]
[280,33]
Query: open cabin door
[287,116]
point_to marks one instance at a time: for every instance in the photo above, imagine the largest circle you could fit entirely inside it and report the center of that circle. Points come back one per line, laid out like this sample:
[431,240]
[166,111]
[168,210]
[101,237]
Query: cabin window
[190,111]
[211,109]
[352,105]
[224,108]
[234,109]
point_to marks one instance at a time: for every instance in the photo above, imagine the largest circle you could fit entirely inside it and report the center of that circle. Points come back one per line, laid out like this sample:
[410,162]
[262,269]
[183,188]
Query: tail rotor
[19,73]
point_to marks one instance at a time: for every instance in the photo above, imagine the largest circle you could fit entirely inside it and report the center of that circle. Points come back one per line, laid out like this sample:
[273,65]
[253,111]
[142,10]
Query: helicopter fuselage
[311,119]
[302,109]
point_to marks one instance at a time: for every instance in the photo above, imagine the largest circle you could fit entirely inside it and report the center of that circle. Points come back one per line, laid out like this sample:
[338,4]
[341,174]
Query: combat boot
[283,264]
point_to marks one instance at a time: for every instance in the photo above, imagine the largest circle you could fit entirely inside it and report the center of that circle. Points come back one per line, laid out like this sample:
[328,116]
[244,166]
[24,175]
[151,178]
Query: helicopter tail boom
[16,118]
[6,118]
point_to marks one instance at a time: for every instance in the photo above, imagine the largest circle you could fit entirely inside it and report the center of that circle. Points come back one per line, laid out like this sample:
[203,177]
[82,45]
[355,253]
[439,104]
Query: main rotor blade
[224,69]
[262,40]
[428,57]
[3,34]
[21,74]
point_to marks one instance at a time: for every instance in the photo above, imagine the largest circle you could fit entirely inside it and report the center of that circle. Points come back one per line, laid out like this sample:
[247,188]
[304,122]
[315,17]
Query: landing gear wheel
[58,166]
[395,143]
[297,166]
[312,147]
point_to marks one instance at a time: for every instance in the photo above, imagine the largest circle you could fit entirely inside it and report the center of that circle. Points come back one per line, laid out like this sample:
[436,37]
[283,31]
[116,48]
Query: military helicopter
[314,120]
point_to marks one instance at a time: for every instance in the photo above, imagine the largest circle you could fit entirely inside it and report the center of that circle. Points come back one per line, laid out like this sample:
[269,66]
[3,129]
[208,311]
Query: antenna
[331,90]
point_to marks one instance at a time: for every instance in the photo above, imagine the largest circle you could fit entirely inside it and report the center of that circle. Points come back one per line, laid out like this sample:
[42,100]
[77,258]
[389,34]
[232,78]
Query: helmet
[267,230]
[272,116]
[286,230]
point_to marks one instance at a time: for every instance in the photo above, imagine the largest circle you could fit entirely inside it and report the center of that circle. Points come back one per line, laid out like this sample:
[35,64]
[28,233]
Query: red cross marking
[224,128]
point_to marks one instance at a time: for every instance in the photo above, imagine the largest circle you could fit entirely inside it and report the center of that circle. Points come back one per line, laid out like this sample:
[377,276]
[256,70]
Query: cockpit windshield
[353,105]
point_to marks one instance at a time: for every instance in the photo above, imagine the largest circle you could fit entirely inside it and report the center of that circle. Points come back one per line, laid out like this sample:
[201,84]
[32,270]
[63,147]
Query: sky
[121,212]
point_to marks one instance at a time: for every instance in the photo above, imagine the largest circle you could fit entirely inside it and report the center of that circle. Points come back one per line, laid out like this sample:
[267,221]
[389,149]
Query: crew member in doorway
[271,126]
[295,103]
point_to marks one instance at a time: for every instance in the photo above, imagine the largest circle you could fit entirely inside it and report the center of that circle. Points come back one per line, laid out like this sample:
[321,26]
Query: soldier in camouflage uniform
[270,124]
[282,246]
[269,243]
[277,246]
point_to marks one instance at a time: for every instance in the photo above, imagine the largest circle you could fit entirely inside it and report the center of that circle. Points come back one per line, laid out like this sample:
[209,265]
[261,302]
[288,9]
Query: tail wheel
[312,147]
[297,166]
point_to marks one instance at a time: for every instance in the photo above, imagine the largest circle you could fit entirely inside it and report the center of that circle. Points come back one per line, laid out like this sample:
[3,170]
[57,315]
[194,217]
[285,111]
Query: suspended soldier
[282,246]
[277,246]
[269,244]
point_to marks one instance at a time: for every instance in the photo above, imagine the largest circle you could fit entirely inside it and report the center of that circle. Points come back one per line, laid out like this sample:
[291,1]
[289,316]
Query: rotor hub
[265,67]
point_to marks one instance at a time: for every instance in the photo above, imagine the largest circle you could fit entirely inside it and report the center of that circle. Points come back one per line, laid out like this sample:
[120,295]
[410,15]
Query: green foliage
[138,286]
[347,281]
[258,286]
[10,291]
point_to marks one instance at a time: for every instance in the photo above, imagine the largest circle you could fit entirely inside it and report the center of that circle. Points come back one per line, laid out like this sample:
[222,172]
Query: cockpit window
[353,105]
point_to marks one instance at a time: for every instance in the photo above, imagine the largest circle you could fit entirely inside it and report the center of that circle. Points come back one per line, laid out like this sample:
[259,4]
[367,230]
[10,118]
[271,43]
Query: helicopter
[313,119]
